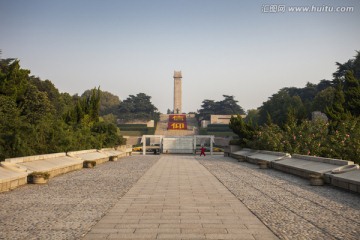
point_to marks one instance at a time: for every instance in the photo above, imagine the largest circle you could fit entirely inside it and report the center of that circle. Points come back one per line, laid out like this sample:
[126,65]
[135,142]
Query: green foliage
[284,124]
[267,137]
[228,106]
[352,94]
[109,103]
[36,119]
[242,129]
[278,106]
[324,99]
[202,131]
[252,117]
[136,129]
[132,125]
[109,118]
[336,112]
[311,138]
[138,107]
[218,128]
[151,131]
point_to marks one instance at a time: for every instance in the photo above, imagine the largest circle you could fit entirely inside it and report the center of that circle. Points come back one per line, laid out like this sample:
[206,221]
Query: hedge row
[131,125]
[142,131]
[218,125]
[133,129]
[219,129]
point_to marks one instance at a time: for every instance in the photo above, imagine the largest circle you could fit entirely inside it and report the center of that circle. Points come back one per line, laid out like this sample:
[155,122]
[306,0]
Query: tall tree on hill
[350,65]
[227,106]
[279,105]
[336,111]
[208,107]
[138,107]
[13,79]
[109,103]
[36,105]
[352,94]
[323,99]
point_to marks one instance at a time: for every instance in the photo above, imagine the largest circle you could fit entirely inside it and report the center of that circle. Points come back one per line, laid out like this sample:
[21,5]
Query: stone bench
[241,155]
[113,154]
[54,164]
[230,149]
[10,179]
[90,155]
[266,158]
[347,180]
[125,148]
[305,166]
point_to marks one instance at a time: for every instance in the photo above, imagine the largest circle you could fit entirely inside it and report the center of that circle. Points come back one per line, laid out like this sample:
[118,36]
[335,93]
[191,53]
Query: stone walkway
[178,198]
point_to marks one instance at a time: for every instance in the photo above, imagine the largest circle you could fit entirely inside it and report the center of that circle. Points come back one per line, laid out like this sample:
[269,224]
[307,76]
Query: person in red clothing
[202,149]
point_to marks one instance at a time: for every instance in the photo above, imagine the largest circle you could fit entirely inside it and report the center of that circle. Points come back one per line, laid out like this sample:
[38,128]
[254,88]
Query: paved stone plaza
[178,197]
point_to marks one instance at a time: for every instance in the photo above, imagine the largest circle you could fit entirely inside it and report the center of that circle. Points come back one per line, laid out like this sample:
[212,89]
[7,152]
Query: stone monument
[177,92]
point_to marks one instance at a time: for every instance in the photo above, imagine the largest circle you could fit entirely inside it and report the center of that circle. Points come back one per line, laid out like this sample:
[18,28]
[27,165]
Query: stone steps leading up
[161,128]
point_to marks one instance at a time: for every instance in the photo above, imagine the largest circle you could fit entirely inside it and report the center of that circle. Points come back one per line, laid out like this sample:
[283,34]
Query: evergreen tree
[352,94]
[242,129]
[336,111]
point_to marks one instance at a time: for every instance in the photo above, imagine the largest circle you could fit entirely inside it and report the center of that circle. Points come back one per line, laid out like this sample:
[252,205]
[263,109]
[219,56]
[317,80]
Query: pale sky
[230,47]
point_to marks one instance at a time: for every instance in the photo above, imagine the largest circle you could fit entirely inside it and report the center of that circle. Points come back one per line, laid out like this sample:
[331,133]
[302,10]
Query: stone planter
[316,180]
[39,180]
[113,158]
[39,177]
[89,164]
[263,164]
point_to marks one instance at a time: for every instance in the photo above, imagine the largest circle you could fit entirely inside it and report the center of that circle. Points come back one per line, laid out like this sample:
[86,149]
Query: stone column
[144,145]
[195,144]
[177,92]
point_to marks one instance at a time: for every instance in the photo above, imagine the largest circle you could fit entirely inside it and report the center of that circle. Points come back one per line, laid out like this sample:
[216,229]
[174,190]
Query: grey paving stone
[179,199]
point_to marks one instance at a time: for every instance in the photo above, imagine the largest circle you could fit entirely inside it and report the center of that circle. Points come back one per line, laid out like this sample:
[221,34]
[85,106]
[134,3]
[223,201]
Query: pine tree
[352,94]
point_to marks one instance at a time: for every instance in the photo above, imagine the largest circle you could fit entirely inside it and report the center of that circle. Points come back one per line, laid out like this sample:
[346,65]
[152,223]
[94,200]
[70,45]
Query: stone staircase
[161,127]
